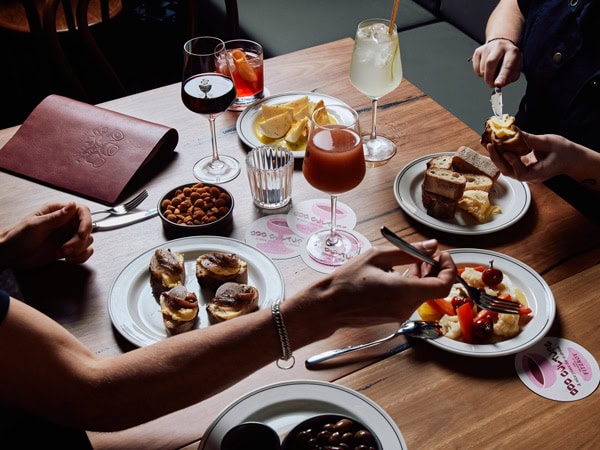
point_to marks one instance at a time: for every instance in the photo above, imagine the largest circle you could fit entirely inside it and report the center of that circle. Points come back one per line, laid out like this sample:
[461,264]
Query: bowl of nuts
[330,431]
[196,208]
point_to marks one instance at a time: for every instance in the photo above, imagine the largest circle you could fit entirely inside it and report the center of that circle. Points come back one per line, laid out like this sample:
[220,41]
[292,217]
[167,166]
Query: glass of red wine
[208,89]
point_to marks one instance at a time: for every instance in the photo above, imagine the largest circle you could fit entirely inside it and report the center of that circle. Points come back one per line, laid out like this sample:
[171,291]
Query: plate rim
[256,105]
[143,259]
[461,348]
[310,384]
[456,228]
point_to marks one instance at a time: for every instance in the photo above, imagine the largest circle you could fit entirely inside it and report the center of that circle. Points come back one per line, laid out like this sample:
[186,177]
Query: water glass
[270,171]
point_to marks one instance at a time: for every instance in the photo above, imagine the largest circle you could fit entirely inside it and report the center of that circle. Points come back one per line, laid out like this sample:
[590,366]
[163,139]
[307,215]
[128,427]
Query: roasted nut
[196,205]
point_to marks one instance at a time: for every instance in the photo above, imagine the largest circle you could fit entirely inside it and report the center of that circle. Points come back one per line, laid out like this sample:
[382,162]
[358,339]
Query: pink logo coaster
[315,265]
[314,215]
[272,235]
[558,369]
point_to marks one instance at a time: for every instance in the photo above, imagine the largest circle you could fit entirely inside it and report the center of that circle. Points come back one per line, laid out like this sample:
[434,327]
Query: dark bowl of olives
[331,432]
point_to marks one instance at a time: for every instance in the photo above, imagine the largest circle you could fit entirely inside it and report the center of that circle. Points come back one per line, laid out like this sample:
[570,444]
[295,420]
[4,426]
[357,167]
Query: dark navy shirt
[561,62]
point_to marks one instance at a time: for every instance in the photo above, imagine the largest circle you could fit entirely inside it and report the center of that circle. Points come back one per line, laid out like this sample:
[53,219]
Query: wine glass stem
[374,119]
[332,239]
[213,136]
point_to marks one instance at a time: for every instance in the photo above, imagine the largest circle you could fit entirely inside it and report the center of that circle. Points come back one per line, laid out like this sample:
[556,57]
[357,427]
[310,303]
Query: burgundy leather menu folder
[82,148]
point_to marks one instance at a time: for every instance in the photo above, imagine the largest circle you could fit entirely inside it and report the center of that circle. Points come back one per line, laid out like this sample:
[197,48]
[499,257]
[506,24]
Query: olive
[323,436]
[348,437]
[304,436]
[363,437]
[344,425]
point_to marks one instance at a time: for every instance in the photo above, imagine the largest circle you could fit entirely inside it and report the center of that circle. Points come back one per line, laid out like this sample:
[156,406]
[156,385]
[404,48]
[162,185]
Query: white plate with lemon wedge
[292,137]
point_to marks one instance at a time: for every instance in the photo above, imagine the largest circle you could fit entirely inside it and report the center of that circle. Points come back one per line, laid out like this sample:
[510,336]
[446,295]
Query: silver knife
[110,223]
[496,101]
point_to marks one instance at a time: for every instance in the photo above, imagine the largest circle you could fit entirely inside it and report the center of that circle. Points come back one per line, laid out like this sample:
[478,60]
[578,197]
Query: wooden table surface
[437,398]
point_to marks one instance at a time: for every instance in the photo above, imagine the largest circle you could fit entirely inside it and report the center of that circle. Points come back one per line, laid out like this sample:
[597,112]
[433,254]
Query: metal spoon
[421,329]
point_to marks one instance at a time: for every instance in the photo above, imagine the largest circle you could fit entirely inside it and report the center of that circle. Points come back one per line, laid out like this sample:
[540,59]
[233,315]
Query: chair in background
[83,69]
[42,42]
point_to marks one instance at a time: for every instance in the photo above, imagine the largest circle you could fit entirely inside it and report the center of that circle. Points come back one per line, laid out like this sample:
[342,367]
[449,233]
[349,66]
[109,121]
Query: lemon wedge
[322,117]
[277,126]
[298,131]
[269,111]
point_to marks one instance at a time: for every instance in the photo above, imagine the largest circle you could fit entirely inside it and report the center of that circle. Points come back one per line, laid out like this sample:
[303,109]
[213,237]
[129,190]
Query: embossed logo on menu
[98,145]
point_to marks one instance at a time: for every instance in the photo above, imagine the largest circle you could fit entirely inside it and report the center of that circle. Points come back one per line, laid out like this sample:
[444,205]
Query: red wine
[209,93]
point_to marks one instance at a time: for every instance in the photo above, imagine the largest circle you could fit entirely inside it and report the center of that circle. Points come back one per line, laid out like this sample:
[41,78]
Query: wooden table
[437,399]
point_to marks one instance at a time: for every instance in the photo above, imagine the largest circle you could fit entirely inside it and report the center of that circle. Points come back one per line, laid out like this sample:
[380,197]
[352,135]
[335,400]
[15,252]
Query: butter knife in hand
[496,101]
[110,223]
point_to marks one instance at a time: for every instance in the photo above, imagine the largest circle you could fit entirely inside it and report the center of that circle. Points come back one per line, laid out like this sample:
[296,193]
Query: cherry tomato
[483,327]
[492,276]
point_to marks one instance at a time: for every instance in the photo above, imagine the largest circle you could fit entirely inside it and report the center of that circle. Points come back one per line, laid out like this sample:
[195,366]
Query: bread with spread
[216,268]
[167,270]
[179,309]
[502,132]
[232,300]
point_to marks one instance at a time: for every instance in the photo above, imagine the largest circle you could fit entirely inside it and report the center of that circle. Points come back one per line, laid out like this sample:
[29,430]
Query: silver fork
[480,298]
[124,208]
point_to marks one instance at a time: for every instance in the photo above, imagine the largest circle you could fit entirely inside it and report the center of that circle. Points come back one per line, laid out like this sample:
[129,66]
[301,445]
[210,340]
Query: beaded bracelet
[287,360]
[502,39]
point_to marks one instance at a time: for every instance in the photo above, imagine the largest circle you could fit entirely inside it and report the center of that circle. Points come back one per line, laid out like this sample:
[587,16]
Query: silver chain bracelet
[287,360]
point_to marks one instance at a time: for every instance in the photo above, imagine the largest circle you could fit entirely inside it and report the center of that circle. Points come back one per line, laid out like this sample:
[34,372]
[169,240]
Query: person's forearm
[506,21]
[216,358]
[586,169]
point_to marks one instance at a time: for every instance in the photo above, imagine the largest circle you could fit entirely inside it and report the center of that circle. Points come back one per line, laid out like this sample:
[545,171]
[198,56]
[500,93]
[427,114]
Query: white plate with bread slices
[281,119]
[503,199]
[135,312]
[533,287]
[284,405]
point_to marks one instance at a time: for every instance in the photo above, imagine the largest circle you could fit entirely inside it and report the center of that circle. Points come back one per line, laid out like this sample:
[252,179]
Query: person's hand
[368,290]
[552,155]
[498,62]
[56,231]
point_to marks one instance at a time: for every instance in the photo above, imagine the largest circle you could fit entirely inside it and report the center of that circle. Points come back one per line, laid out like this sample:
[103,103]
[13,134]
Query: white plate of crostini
[284,405]
[512,196]
[247,123]
[536,291]
[136,314]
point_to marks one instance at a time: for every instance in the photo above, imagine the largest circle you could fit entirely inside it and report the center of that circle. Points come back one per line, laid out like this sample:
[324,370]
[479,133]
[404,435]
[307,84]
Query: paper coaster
[364,245]
[558,369]
[273,236]
[313,215]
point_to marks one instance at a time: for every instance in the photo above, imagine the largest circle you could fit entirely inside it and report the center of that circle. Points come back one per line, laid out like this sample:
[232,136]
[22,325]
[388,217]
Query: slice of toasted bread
[443,182]
[439,207]
[467,160]
[440,162]
[478,182]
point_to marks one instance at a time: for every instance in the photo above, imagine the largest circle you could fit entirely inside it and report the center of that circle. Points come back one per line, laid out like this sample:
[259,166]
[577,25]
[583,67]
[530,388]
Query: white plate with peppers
[478,333]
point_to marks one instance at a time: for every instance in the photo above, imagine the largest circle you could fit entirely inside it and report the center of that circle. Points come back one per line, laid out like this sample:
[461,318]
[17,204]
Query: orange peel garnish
[243,66]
